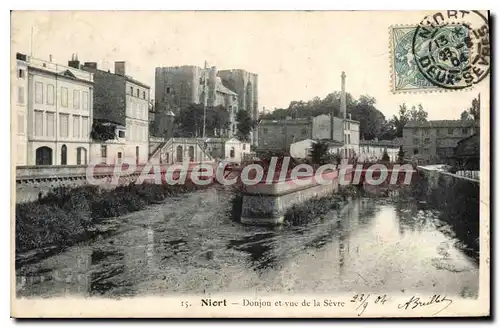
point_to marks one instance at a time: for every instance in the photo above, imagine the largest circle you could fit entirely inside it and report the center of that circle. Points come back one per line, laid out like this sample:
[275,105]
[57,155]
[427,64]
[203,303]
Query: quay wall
[34,181]
[266,204]
[457,197]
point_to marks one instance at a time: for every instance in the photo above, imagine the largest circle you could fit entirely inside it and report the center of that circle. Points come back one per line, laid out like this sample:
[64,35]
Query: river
[190,245]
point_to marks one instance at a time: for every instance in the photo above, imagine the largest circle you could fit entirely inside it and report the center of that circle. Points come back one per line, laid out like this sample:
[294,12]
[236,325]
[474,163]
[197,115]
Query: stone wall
[266,204]
[32,181]
[456,197]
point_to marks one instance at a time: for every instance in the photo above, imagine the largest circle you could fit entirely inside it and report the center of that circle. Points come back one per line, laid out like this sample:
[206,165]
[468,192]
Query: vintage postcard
[250,164]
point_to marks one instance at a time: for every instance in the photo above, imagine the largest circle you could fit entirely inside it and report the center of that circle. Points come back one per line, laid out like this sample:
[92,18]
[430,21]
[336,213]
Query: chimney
[342,96]
[74,62]
[50,58]
[120,68]
[20,56]
[92,65]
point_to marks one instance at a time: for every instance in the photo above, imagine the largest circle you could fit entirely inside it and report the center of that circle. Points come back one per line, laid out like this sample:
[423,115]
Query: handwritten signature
[415,302]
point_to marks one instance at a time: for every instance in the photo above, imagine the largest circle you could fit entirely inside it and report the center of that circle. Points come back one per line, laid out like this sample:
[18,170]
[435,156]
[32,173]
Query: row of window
[138,110]
[45,125]
[416,141]
[303,131]
[444,131]
[136,92]
[50,96]
[44,155]
[138,132]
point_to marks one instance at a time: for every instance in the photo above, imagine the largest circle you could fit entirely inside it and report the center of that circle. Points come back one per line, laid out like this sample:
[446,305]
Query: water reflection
[259,247]
[379,244]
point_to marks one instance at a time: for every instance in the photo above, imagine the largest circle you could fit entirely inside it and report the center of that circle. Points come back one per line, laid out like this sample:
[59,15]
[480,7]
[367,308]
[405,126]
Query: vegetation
[245,125]
[472,113]
[189,122]
[314,209]
[103,132]
[373,123]
[66,216]
[385,156]
[362,109]
[401,155]
[319,153]
[394,127]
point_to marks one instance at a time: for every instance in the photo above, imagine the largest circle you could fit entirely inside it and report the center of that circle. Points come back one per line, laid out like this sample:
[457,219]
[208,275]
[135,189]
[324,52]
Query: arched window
[81,156]
[178,155]
[44,156]
[231,152]
[64,155]
[191,153]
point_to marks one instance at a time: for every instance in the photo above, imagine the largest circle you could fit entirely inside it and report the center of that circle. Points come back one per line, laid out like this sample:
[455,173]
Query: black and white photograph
[250,164]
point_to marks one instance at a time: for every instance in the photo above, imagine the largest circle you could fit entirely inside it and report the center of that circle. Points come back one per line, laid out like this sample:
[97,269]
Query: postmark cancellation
[448,50]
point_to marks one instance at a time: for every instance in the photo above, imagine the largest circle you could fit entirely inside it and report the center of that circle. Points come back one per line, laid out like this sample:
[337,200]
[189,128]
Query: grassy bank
[66,216]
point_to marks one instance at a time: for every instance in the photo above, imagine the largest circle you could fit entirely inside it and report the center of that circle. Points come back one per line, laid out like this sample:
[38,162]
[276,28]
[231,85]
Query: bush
[313,209]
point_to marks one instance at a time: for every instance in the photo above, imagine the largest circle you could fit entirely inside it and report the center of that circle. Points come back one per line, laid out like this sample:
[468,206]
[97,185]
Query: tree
[319,152]
[401,155]
[475,108]
[465,116]
[217,120]
[385,156]
[245,125]
[190,121]
[371,120]
[400,120]
[418,114]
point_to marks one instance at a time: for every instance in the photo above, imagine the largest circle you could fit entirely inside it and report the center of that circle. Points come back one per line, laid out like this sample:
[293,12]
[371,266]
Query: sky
[297,55]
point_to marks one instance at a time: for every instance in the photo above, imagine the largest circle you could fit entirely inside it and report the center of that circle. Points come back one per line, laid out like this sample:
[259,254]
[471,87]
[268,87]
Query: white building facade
[227,149]
[137,122]
[54,113]
[371,151]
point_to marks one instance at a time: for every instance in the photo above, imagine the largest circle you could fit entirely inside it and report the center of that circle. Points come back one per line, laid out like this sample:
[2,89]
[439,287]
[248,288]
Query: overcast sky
[298,55]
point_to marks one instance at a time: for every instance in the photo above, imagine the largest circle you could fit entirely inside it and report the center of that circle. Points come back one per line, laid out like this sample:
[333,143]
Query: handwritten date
[364,299]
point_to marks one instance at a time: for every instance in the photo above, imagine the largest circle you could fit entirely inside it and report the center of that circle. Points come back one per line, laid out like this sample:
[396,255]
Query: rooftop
[442,124]
[285,121]
[223,89]
[62,70]
[394,142]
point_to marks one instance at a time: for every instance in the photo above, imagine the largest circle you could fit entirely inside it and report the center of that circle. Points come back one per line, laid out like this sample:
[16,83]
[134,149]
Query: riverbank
[66,216]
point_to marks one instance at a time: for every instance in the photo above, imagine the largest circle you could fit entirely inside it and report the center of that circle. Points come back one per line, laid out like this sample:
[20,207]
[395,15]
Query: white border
[191,5]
